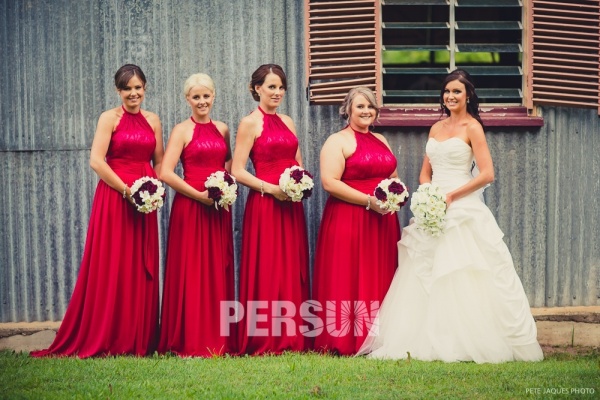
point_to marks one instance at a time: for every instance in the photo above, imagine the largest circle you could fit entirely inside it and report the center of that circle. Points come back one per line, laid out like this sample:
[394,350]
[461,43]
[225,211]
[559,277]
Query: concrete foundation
[557,327]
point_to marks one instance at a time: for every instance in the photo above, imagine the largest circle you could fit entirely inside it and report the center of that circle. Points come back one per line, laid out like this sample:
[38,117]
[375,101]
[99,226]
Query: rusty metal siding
[57,62]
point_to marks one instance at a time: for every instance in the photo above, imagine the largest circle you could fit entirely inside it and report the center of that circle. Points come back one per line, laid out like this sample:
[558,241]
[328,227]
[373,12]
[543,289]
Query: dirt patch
[570,351]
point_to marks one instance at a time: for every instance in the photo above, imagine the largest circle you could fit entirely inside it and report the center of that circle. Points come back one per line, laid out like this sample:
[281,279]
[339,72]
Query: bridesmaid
[274,259]
[114,307]
[199,267]
[356,252]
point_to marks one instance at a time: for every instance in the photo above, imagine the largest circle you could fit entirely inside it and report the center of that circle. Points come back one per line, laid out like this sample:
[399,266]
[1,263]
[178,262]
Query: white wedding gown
[456,297]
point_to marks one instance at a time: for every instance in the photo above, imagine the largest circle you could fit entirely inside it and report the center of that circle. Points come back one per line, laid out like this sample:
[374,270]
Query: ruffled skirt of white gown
[456,297]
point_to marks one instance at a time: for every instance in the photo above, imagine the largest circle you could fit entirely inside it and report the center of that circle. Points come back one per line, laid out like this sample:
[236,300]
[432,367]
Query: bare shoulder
[379,136]
[342,139]
[222,127]
[285,118]
[288,121]
[475,130]
[112,114]
[250,125]
[109,119]
[182,127]
[151,117]
[436,128]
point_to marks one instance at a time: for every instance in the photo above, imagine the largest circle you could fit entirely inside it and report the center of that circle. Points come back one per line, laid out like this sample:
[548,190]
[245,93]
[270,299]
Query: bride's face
[455,95]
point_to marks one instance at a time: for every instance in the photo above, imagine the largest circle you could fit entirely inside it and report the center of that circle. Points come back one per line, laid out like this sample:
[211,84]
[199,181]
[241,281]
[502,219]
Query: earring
[468,101]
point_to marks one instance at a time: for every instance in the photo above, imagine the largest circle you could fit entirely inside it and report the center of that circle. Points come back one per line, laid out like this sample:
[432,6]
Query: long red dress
[356,254]
[274,259]
[199,268]
[114,307]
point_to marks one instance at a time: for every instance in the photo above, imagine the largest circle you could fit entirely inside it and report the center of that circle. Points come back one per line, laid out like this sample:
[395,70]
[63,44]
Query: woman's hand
[375,207]
[204,199]
[129,197]
[275,191]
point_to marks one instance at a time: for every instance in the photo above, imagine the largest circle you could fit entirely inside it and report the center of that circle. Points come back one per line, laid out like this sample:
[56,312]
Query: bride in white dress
[456,297]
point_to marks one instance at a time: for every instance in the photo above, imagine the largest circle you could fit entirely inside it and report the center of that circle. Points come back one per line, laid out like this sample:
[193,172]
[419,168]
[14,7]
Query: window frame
[494,114]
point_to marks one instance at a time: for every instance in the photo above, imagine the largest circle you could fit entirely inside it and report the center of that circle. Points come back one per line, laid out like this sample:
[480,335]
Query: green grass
[293,376]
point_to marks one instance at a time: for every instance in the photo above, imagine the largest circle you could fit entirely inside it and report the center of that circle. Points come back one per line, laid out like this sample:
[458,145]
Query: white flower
[391,194]
[222,188]
[428,205]
[297,183]
[148,194]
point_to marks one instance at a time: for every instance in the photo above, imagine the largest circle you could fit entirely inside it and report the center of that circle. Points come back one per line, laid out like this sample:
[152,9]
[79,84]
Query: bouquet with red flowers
[148,194]
[297,183]
[222,188]
[391,194]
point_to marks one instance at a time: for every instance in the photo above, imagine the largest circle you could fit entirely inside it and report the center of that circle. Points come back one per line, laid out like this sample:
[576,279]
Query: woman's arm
[167,173]
[333,163]
[484,162]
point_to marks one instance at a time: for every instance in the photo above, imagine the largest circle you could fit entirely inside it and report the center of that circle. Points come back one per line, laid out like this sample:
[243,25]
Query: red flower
[380,194]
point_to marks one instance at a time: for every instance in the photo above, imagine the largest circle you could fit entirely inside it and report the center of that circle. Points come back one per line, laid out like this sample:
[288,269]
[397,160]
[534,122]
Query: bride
[456,297]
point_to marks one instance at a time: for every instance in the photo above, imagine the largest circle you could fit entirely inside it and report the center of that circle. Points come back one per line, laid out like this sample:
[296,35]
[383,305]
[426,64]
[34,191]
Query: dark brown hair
[473,101]
[258,77]
[125,73]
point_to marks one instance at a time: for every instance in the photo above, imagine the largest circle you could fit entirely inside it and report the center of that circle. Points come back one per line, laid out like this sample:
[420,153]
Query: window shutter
[564,66]
[343,48]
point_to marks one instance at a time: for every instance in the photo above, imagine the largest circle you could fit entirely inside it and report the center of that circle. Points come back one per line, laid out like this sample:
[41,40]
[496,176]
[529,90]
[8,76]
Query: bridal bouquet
[428,205]
[148,194]
[297,183]
[391,194]
[222,188]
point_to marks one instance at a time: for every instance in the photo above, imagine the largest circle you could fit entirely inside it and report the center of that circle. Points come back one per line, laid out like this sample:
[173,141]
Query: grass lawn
[289,376]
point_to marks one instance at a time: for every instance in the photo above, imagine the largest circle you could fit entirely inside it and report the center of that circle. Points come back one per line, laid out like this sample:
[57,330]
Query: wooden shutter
[343,50]
[564,67]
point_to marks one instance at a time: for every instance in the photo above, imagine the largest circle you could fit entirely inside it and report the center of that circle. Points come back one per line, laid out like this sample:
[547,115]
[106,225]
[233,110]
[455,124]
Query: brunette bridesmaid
[274,259]
[114,307]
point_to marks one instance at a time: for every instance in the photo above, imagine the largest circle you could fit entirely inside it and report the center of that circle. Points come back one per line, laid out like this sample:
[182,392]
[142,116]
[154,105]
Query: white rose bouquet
[391,194]
[428,205]
[297,183]
[222,188]
[148,194]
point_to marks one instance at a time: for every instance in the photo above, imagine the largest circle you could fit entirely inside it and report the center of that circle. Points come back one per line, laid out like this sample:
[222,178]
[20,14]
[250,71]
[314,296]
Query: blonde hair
[199,80]
[346,106]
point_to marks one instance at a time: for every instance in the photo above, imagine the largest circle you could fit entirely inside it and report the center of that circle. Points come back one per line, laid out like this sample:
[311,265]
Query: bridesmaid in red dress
[199,267]
[274,259]
[356,252]
[114,307]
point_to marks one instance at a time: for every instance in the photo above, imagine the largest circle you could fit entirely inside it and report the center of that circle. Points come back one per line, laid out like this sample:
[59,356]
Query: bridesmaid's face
[271,91]
[455,95]
[132,95]
[201,99]
[362,113]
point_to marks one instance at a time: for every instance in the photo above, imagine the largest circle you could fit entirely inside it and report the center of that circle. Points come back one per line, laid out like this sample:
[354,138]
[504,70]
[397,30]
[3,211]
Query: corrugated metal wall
[57,61]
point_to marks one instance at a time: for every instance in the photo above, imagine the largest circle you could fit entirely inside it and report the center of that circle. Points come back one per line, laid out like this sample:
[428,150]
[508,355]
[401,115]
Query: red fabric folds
[274,259]
[199,268]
